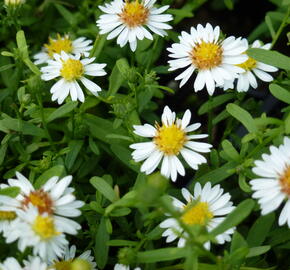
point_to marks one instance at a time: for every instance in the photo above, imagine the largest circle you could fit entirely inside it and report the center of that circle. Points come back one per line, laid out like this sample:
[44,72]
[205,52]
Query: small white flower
[272,186]
[207,207]
[69,257]
[253,67]
[214,59]
[55,197]
[169,140]
[42,232]
[34,263]
[74,47]
[70,69]
[129,21]
[124,267]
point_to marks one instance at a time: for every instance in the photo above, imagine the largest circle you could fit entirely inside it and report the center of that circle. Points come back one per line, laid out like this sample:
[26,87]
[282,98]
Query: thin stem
[282,25]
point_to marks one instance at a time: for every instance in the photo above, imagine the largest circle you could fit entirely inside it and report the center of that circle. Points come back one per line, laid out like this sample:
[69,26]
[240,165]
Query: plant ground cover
[144,135]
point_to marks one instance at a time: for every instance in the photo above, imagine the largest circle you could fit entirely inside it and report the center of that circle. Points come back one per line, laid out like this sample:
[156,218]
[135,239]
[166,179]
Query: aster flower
[272,186]
[64,43]
[124,267]
[169,140]
[42,232]
[33,264]
[214,59]
[207,207]
[253,67]
[70,69]
[53,198]
[129,20]
[70,257]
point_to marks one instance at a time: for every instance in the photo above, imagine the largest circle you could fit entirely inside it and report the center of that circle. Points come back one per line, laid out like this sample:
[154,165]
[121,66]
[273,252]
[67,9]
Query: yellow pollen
[58,45]
[72,69]
[41,200]
[285,180]
[197,214]
[134,14]
[62,265]
[170,139]
[206,55]
[44,227]
[7,215]
[249,64]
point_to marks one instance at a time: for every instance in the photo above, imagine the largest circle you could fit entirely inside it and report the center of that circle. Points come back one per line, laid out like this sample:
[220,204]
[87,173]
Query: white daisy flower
[214,59]
[70,257]
[42,232]
[169,140]
[74,47]
[207,207]
[129,21]
[273,185]
[124,267]
[34,263]
[70,69]
[253,67]
[55,197]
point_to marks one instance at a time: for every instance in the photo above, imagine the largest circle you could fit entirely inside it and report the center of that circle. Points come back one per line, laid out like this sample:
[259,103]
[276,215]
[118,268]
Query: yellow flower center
[249,64]
[285,180]
[72,69]
[197,214]
[206,55]
[44,227]
[7,215]
[134,14]
[58,45]
[62,265]
[41,200]
[169,139]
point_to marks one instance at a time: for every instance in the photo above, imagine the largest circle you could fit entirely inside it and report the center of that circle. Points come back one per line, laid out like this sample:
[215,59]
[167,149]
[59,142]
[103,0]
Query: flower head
[69,258]
[63,43]
[168,141]
[272,186]
[71,69]
[129,21]
[214,59]
[207,207]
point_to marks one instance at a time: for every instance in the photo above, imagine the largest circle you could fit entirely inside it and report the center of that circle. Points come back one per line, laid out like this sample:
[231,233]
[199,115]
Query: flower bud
[80,264]
[127,256]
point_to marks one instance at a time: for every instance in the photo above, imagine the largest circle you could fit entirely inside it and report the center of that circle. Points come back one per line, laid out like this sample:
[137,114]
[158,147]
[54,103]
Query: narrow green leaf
[229,149]
[270,25]
[279,92]
[21,44]
[260,229]
[287,124]
[272,58]
[116,79]
[10,191]
[119,243]
[3,149]
[120,212]
[98,46]
[74,149]
[235,217]
[257,251]
[5,67]
[104,188]
[54,171]
[160,255]
[62,111]
[101,246]
[67,15]
[243,116]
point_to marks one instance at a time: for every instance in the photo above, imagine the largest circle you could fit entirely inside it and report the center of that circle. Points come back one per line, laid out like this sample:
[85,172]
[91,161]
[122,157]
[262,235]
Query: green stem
[282,25]
[209,121]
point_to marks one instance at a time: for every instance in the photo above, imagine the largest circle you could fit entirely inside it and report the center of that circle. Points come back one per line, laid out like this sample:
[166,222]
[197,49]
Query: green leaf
[98,46]
[257,251]
[5,67]
[229,4]
[230,151]
[119,243]
[243,116]
[104,188]
[215,102]
[160,255]
[67,15]
[237,242]
[57,170]
[260,229]
[279,92]
[74,149]
[10,191]
[235,217]
[270,25]
[62,111]
[3,149]
[101,246]
[120,212]
[287,124]
[21,44]
[272,58]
